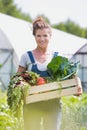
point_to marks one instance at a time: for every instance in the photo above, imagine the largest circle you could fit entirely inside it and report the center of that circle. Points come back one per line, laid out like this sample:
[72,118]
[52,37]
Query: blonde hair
[40,23]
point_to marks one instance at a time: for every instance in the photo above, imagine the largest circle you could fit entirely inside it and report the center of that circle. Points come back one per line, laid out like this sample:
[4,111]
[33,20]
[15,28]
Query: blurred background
[69,37]
[69,28]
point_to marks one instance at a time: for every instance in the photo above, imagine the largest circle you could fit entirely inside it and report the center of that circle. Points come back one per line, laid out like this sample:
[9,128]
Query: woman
[44,115]
[40,56]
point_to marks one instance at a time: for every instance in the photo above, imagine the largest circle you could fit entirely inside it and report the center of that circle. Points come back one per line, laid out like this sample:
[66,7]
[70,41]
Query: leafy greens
[60,68]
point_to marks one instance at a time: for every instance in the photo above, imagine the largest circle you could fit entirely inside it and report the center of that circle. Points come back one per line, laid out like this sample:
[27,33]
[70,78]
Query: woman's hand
[79,91]
[21,69]
[79,87]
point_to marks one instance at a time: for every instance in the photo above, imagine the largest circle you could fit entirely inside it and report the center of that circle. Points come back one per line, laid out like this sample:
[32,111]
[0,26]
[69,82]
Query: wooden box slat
[52,90]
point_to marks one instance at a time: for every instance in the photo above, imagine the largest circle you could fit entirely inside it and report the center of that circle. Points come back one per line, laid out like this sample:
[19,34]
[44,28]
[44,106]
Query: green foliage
[60,26]
[7,121]
[60,68]
[70,27]
[74,112]
[73,28]
[86,33]
[17,91]
[8,7]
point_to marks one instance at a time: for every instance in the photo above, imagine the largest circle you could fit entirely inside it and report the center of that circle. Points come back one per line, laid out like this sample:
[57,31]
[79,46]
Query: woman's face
[42,37]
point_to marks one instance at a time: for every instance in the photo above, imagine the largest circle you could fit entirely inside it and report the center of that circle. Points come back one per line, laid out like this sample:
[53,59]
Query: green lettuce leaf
[60,68]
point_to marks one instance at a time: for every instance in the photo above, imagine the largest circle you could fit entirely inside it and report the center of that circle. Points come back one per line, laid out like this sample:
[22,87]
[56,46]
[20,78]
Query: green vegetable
[17,90]
[60,68]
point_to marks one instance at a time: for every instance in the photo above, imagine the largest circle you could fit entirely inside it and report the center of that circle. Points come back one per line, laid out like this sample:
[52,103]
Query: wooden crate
[53,90]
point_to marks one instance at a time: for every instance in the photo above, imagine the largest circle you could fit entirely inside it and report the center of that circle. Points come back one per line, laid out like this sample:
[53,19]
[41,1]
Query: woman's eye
[38,36]
[45,35]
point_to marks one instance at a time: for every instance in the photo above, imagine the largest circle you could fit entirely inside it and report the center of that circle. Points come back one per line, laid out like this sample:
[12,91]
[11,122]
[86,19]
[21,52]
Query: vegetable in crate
[17,89]
[41,81]
[60,68]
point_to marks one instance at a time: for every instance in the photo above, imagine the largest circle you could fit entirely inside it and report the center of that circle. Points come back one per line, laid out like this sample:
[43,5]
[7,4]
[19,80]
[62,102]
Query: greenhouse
[8,59]
[16,38]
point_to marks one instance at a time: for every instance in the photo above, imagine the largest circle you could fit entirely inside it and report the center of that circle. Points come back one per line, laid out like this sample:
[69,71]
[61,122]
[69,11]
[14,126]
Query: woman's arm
[21,69]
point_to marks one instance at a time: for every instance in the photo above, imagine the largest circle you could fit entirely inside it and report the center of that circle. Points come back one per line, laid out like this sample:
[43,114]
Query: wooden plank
[53,90]
[53,86]
[50,95]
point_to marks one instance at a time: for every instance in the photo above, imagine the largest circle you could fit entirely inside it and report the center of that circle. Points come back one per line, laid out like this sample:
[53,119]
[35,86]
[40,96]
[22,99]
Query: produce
[41,81]
[17,90]
[60,68]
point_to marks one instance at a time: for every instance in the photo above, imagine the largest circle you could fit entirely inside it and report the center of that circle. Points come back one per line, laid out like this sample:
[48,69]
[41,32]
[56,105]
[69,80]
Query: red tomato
[41,81]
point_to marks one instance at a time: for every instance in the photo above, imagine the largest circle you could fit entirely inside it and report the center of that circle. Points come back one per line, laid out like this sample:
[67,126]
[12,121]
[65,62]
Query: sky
[56,10]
